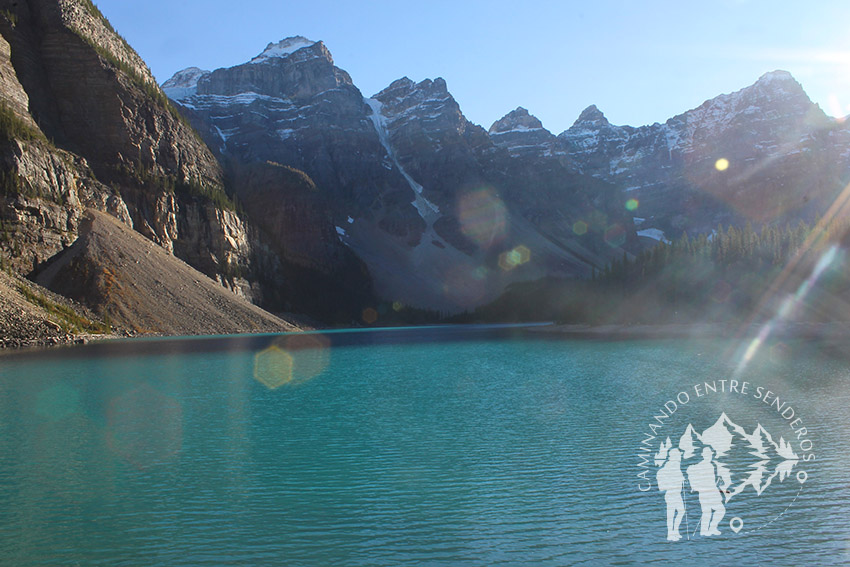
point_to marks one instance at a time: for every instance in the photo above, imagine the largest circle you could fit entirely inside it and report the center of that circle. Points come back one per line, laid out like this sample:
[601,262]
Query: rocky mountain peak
[437,85]
[591,116]
[431,98]
[518,119]
[183,83]
[188,77]
[777,102]
[781,88]
[404,87]
[295,68]
[283,48]
[396,89]
[522,133]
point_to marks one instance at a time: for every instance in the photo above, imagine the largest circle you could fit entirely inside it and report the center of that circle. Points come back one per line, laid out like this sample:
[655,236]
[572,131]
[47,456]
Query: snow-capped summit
[283,48]
[184,83]
[778,76]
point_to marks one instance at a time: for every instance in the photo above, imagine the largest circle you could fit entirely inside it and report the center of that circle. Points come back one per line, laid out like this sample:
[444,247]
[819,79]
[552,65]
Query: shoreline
[621,331]
[833,332]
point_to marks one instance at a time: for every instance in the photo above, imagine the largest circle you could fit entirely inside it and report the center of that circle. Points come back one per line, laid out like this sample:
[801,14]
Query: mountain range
[286,185]
[403,200]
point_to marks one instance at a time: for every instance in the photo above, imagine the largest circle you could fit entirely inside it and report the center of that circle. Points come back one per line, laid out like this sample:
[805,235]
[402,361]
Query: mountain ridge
[397,157]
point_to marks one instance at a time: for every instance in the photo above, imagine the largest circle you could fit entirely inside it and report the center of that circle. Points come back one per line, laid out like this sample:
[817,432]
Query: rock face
[290,105]
[44,188]
[294,107]
[406,182]
[764,154]
[115,126]
[85,128]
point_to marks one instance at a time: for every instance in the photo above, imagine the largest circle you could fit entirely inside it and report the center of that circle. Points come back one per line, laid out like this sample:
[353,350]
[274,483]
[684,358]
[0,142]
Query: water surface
[416,446]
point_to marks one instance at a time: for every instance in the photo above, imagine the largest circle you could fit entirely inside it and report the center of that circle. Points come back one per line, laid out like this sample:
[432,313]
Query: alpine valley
[277,190]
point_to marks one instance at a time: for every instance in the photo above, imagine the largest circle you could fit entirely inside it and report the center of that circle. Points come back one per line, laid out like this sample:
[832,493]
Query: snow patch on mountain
[654,233]
[427,210]
[283,48]
[184,83]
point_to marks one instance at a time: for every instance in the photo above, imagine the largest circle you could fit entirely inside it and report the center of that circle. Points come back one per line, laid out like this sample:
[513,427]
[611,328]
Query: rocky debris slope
[133,283]
[31,316]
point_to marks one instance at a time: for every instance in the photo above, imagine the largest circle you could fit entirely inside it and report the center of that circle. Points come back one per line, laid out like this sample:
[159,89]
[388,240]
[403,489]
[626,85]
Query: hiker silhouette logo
[721,472]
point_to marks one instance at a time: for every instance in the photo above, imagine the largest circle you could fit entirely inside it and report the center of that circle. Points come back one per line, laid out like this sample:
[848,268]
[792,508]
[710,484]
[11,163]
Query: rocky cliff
[84,126]
[121,146]
[44,188]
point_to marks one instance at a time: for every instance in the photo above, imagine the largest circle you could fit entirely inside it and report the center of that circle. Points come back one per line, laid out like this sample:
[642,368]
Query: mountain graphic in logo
[742,459]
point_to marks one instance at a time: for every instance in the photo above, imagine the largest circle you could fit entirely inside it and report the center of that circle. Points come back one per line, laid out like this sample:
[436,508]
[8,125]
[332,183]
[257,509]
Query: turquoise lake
[429,446]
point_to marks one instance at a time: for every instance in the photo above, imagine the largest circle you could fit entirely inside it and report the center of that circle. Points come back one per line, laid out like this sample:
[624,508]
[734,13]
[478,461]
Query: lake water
[415,446]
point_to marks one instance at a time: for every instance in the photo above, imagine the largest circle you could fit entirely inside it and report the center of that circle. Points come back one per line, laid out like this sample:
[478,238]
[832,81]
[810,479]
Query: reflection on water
[434,446]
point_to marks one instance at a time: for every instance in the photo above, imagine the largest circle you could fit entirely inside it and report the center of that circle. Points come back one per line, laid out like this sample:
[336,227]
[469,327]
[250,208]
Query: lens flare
[273,367]
[483,217]
[788,306]
[57,402]
[369,315]
[515,257]
[632,204]
[580,228]
[310,354]
[615,236]
[722,164]
[840,208]
[292,360]
[145,426]
[835,108]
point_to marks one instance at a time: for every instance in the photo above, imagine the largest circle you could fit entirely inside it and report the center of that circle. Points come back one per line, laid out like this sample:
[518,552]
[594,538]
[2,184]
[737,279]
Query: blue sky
[638,61]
